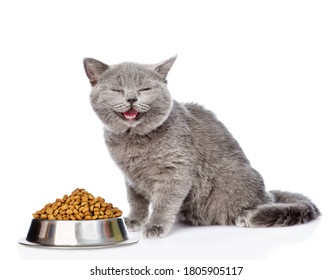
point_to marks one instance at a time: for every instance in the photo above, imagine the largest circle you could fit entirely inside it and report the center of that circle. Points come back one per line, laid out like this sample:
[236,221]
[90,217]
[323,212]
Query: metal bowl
[73,234]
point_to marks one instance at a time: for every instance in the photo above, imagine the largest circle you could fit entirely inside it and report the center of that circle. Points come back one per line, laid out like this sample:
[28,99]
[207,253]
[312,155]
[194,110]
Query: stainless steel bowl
[84,233]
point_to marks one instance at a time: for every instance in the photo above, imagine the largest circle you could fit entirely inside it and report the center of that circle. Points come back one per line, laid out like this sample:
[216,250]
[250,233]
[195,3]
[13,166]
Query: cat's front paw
[132,224]
[154,231]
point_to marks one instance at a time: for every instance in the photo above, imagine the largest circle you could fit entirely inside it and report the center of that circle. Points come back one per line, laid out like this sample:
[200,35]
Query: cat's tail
[287,209]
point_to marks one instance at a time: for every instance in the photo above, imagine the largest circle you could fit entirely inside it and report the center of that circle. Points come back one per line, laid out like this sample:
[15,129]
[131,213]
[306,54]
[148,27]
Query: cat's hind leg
[287,209]
[243,219]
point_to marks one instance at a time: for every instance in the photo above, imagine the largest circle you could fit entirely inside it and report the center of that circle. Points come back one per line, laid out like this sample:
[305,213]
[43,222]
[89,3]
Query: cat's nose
[132,100]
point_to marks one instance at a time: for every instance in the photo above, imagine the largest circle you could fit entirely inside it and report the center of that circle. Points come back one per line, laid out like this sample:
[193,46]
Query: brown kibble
[80,205]
[51,217]
[64,207]
[75,192]
[88,213]
[93,202]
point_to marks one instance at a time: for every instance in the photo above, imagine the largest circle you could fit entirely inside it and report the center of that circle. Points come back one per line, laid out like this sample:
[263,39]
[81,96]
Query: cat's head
[130,95]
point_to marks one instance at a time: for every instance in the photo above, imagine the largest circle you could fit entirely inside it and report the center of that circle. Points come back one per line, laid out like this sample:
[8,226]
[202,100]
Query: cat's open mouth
[131,115]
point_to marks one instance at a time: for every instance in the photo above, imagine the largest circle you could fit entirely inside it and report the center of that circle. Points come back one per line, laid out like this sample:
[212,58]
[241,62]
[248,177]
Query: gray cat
[179,158]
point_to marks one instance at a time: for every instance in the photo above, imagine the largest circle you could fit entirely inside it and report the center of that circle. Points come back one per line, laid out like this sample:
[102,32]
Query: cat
[179,158]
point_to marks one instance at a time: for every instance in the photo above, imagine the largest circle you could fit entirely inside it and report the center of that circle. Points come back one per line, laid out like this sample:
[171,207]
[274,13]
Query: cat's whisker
[121,107]
[142,106]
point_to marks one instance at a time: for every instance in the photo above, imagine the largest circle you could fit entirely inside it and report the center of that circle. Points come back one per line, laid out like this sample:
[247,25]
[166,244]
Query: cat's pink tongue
[131,114]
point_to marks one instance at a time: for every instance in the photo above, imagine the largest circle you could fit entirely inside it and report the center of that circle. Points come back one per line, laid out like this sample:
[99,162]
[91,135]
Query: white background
[264,67]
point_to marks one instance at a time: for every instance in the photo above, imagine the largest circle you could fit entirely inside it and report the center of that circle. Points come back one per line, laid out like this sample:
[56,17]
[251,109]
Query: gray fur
[179,158]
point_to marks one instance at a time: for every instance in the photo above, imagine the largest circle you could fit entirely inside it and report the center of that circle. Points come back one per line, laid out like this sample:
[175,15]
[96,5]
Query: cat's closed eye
[144,89]
[116,90]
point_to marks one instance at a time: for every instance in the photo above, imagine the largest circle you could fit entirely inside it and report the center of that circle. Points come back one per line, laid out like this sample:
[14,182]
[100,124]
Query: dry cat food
[80,205]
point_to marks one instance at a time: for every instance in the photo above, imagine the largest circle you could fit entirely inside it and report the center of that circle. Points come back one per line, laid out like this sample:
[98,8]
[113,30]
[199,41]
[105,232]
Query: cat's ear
[93,69]
[164,67]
